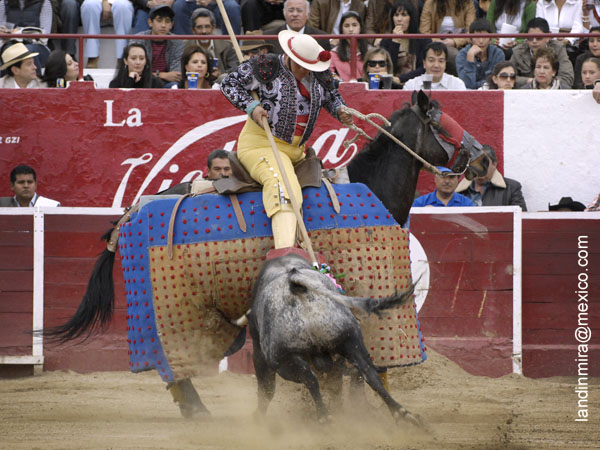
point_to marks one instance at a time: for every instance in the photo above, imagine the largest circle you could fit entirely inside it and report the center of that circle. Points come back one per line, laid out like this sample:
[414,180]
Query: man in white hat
[292,88]
[21,68]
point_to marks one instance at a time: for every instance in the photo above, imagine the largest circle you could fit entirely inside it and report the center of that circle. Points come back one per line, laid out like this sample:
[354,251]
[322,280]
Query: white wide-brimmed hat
[15,53]
[304,50]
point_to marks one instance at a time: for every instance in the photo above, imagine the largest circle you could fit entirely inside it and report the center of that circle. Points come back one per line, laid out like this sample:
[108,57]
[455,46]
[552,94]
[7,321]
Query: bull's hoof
[325,419]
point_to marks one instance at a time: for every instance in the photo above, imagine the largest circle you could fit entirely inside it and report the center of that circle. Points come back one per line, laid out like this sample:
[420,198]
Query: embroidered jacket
[277,91]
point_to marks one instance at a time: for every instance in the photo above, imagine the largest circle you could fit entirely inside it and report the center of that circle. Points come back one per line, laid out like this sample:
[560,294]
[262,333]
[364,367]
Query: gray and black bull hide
[299,318]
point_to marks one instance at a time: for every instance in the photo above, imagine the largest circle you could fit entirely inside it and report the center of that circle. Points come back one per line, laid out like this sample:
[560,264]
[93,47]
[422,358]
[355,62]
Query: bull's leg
[185,395]
[265,377]
[354,350]
[295,368]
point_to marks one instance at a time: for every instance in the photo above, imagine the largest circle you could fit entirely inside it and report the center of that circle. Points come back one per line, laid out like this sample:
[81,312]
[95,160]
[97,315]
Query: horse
[385,168]
[392,173]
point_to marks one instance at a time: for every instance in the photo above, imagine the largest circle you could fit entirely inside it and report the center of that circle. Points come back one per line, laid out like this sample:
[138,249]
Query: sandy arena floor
[120,410]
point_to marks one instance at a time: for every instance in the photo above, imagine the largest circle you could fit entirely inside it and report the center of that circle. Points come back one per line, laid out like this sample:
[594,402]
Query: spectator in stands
[593,51]
[448,17]
[164,57]
[566,204]
[591,15]
[517,13]
[34,15]
[522,54]
[502,77]
[134,69]
[407,54]
[218,165]
[257,14]
[326,15]
[184,9]
[351,23]
[61,65]
[296,17]
[69,18]
[436,55]
[252,48]
[590,72]
[196,59]
[492,189]
[23,182]
[565,18]
[378,60]
[546,68]
[95,12]
[19,63]
[204,24]
[596,91]
[378,19]
[477,60]
[595,205]
[444,194]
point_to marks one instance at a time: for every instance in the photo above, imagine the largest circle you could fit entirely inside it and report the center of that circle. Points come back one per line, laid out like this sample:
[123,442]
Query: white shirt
[344,8]
[448,82]
[38,200]
[569,19]
[8,82]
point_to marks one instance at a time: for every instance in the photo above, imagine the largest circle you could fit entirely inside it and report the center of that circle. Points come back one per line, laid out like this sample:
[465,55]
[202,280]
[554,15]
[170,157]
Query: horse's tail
[96,307]
[98,303]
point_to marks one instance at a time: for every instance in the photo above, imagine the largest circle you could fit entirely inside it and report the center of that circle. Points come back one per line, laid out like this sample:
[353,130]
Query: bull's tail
[305,279]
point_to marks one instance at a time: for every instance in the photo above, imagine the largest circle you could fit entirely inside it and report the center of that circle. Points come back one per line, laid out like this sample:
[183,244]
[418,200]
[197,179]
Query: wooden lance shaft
[265,125]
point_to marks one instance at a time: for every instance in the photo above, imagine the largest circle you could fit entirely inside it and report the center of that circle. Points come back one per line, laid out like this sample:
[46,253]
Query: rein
[367,118]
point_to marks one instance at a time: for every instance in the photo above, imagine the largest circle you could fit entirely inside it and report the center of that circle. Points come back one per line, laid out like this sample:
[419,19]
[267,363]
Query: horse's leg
[354,350]
[185,395]
[265,377]
[295,368]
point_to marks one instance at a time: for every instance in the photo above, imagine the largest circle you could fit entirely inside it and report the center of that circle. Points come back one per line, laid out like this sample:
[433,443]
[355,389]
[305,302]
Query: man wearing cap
[203,24]
[444,194]
[93,12]
[164,57]
[21,70]
[492,189]
[292,88]
[296,18]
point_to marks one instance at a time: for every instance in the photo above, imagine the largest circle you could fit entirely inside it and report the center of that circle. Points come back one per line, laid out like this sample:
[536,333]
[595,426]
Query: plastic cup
[374,80]
[554,30]
[386,81]
[507,28]
[427,80]
[192,78]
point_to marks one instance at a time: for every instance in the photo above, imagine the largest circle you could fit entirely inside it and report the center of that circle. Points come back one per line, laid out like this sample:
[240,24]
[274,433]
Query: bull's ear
[422,101]
[413,98]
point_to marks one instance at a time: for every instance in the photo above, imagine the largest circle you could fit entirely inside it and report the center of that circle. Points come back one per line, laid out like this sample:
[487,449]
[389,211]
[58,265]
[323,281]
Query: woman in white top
[562,14]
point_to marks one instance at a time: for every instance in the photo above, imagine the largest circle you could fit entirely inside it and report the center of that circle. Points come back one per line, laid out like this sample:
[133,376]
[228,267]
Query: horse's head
[464,153]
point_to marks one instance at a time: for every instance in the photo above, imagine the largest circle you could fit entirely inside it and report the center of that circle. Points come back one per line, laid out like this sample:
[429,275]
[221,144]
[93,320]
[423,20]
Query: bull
[300,320]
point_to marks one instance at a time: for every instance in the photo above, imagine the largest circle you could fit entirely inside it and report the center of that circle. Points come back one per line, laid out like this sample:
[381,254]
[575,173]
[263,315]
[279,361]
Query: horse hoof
[405,416]
[194,411]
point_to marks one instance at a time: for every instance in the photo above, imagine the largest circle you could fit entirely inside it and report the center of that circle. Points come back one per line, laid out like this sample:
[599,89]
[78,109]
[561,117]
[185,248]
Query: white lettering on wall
[134,119]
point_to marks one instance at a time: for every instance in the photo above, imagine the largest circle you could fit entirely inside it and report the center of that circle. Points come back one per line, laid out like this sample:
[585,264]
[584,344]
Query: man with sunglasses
[522,57]
[435,77]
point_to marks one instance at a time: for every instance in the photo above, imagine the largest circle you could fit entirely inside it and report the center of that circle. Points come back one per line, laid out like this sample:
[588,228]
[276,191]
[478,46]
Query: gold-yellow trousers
[255,153]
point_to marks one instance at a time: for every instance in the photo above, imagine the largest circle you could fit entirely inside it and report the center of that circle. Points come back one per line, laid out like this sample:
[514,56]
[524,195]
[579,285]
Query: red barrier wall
[86,144]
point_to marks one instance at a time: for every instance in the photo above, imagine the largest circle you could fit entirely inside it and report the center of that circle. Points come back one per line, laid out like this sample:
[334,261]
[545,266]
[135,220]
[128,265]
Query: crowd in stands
[449,63]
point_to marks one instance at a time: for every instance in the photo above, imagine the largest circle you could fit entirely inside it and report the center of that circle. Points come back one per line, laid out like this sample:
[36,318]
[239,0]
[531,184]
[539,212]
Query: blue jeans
[69,15]
[141,21]
[122,17]
[184,9]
